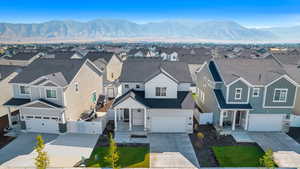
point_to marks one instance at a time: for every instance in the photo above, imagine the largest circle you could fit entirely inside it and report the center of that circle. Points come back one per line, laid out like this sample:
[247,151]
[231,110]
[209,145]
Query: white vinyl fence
[203,118]
[87,127]
[295,121]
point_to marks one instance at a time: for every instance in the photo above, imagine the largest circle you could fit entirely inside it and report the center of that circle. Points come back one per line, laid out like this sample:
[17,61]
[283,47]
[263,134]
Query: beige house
[6,74]
[108,62]
[49,93]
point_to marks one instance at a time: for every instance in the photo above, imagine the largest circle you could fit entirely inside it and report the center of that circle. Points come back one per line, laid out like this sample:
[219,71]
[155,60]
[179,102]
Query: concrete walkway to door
[172,151]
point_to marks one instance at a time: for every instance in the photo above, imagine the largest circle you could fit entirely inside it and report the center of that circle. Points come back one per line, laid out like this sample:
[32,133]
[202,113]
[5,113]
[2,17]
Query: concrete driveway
[277,141]
[286,149]
[63,150]
[172,151]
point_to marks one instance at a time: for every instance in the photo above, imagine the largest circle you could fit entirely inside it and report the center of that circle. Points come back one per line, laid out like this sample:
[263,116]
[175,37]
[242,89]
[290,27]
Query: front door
[238,117]
[126,115]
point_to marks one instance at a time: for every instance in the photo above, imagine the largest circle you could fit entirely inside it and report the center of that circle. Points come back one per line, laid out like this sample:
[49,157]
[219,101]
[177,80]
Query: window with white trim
[94,97]
[24,90]
[51,93]
[280,95]
[256,92]
[126,86]
[238,93]
[225,114]
[160,91]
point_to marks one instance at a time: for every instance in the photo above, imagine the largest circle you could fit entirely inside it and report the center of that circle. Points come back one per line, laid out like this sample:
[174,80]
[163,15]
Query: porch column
[119,114]
[116,125]
[246,120]
[233,121]
[145,119]
[130,125]
[9,118]
[221,118]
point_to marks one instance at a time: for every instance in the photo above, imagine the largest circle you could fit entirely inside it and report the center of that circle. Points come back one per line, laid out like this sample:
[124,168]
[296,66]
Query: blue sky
[251,13]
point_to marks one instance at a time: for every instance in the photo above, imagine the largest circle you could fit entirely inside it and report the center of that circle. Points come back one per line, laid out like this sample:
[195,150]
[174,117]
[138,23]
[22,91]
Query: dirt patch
[4,140]
[203,145]
[294,132]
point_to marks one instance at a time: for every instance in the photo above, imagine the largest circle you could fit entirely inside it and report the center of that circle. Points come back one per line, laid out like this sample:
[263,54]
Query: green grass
[238,156]
[130,157]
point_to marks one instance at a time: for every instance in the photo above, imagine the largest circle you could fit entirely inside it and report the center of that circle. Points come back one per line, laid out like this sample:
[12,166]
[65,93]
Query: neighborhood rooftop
[141,70]
[59,71]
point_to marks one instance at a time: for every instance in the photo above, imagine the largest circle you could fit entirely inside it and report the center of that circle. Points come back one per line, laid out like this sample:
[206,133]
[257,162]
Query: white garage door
[168,124]
[42,124]
[265,122]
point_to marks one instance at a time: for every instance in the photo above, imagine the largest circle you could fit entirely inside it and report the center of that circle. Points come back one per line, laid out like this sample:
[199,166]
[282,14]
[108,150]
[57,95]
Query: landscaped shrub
[267,159]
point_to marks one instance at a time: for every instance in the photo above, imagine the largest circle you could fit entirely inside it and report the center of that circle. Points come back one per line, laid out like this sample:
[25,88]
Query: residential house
[21,58]
[246,94]
[49,93]
[155,97]
[7,72]
[291,63]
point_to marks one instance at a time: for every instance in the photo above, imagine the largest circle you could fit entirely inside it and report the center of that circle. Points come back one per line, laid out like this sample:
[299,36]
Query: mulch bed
[203,148]
[294,132]
[4,140]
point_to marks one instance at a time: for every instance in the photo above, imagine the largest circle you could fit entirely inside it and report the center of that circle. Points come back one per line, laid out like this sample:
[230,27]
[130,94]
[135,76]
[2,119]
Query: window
[76,87]
[280,95]
[160,91]
[24,90]
[238,93]
[112,75]
[255,92]
[38,117]
[137,86]
[94,97]
[50,93]
[126,86]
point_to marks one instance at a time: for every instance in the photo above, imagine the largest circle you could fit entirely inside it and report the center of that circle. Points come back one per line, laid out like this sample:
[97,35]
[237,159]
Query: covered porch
[234,119]
[130,119]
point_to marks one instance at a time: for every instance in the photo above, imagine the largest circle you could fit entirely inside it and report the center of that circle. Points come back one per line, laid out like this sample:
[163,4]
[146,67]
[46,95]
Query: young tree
[42,159]
[113,154]
[267,159]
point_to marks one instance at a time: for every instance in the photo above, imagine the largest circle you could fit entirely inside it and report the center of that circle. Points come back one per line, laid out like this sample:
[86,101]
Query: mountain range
[113,28]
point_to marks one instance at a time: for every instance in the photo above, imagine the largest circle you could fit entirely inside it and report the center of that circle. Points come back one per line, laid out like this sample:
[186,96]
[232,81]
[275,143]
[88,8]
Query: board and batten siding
[161,80]
[282,84]
[231,92]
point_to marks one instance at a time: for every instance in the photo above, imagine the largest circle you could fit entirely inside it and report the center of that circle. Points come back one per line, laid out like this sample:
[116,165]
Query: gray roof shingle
[255,71]
[140,70]
[59,71]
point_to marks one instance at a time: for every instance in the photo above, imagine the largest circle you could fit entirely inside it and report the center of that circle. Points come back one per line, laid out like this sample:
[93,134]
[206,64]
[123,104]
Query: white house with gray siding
[155,97]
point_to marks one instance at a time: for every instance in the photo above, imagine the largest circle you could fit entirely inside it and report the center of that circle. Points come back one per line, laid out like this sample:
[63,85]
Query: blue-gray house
[246,94]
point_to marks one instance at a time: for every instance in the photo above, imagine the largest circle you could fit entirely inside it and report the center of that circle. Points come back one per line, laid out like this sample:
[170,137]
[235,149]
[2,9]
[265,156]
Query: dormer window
[24,90]
[161,91]
[50,93]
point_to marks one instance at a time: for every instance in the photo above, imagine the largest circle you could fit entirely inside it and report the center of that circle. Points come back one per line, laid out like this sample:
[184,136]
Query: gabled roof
[255,71]
[58,71]
[140,70]
[93,56]
[7,70]
[22,56]
[183,100]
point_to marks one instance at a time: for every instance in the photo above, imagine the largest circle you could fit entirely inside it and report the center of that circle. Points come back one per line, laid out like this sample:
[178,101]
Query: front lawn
[238,156]
[130,157]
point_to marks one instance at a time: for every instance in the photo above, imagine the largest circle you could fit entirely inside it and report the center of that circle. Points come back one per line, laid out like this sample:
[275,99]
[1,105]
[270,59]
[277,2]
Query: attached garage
[168,124]
[42,124]
[265,122]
